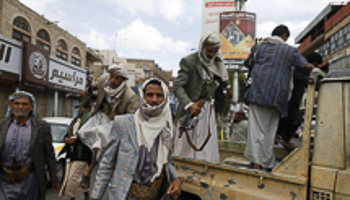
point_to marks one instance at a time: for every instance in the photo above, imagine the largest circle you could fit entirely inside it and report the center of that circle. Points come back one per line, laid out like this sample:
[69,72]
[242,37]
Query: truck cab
[314,171]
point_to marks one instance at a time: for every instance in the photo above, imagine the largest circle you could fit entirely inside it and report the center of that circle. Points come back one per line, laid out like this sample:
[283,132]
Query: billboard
[237,32]
[211,10]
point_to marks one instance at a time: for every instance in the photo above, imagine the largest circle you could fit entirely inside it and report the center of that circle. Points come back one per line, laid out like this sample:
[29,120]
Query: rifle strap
[206,139]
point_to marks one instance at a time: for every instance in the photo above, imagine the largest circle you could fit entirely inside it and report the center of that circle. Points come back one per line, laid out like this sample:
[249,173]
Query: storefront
[25,66]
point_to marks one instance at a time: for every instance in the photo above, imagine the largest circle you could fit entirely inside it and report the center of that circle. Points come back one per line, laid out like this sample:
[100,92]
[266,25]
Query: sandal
[85,181]
[289,146]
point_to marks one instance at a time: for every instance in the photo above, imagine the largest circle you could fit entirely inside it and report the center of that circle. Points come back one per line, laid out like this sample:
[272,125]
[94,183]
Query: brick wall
[304,44]
[337,17]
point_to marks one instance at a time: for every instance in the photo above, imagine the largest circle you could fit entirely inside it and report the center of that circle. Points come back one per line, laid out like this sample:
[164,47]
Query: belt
[146,192]
[17,176]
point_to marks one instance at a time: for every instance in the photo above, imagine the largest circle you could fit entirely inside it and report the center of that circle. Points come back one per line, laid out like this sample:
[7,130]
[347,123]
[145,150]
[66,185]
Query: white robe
[198,136]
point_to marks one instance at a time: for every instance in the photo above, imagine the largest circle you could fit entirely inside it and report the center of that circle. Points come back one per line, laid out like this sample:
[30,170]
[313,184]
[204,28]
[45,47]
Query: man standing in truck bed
[269,93]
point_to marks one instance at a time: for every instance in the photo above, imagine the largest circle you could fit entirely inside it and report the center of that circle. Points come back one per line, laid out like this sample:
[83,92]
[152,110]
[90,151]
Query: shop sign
[10,58]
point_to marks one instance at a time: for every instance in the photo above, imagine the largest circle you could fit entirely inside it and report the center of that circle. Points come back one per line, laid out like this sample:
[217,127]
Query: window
[61,50]
[43,40]
[42,34]
[76,52]
[21,23]
[62,45]
[76,57]
[21,30]
[76,61]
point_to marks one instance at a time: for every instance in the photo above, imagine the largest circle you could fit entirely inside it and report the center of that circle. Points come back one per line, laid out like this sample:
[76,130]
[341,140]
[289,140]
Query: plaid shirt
[271,74]
[120,160]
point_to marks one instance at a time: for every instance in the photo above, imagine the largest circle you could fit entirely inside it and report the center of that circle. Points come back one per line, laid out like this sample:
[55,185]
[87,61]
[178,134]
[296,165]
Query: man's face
[115,80]
[210,51]
[154,94]
[21,107]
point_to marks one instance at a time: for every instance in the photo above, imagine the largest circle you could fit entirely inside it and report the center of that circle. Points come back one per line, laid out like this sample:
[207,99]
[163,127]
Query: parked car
[59,127]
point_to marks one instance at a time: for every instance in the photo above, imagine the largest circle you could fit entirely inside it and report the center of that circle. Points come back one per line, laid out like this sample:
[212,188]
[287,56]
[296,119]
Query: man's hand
[229,93]
[175,188]
[196,108]
[308,68]
[55,187]
[70,140]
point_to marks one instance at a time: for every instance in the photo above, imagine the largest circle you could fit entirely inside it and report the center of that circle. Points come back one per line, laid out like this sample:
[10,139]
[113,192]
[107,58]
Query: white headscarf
[119,69]
[116,93]
[216,64]
[154,120]
[21,94]
[273,40]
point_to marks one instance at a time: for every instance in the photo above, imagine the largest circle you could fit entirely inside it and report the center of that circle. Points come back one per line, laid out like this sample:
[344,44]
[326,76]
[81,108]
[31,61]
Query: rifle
[88,83]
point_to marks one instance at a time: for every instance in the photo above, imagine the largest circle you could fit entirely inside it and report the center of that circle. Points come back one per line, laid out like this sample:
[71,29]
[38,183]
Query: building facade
[151,70]
[38,56]
[329,35]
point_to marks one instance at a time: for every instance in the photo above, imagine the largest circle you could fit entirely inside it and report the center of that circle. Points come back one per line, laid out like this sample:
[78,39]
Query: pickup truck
[318,171]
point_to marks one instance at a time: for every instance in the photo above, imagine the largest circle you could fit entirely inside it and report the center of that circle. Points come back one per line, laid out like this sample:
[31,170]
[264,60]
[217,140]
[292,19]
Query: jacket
[41,150]
[125,105]
[120,160]
[189,83]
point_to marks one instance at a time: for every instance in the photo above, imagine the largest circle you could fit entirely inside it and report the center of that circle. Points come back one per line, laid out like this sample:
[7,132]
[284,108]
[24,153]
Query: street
[52,196]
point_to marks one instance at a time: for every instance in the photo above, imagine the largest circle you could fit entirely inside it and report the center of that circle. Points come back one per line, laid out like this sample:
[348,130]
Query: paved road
[52,196]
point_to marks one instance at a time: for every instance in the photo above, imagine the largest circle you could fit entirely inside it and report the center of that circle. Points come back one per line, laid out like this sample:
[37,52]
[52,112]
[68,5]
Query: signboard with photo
[237,32]
[211,10]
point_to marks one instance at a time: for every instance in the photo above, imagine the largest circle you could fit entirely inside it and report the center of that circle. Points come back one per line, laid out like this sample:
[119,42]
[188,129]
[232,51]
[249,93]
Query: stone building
[38,56]
[150,68]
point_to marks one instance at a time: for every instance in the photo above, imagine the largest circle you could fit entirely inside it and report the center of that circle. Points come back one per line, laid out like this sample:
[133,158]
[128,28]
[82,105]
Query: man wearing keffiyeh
[137,159]
[26,151]
[114,95]
[199,75]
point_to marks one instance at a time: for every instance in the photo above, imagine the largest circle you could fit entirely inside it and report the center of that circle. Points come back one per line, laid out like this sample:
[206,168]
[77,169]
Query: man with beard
[26,152]
[199,75]
[114,95]
[137,158]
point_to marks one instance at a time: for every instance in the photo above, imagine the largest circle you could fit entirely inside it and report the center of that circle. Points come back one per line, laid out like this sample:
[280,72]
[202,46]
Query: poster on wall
[211,10]
[237,32]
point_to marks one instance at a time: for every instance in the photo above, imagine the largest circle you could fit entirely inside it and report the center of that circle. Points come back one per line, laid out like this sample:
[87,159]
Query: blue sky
[162,30]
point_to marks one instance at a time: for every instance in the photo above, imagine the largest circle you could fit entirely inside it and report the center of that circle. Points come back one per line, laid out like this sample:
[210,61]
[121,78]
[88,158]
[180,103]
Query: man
[26,151]
[114,95]
[268,94]
[138,154]
[288,125]
[198,77]
[81,159]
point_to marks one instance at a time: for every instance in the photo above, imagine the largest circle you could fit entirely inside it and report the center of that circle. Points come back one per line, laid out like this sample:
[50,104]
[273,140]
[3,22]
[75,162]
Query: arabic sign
[40,68]
[35,64]
[10,51]
[66,76]
[237,32]
[211,10]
